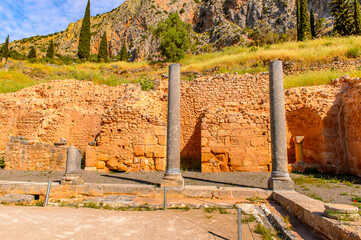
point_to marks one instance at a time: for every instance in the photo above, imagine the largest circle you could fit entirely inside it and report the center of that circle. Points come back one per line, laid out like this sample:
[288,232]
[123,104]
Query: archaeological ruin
[225,125]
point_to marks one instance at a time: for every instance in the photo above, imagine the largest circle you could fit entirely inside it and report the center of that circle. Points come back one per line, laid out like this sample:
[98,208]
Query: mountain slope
[216,22]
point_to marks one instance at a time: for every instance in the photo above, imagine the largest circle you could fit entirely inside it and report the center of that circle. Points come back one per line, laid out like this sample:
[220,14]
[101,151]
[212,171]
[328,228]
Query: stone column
[298,140]
[173,176]
[73,162]
[280,179]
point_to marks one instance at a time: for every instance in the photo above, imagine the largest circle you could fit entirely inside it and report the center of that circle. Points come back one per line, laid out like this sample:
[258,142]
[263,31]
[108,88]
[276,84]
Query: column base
[172,180]
[72,179]
[279,184]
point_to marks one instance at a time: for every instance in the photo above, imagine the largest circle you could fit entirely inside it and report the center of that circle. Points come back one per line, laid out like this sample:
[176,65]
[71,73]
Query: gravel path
[325,187]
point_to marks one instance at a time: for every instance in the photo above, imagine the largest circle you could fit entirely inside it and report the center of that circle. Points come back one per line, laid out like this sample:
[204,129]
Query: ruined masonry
[225,124]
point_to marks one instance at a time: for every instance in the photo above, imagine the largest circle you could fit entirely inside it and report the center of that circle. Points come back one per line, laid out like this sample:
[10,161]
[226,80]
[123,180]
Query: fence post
[239,214]
[165,198]
[47,194]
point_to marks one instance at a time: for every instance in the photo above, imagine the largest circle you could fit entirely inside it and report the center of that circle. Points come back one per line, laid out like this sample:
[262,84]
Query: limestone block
[258,141]
[90,157]
[150,139]
[149,151]
[103,157]
[160,164]
[160,130]
[138,150]
[162,140]
[159,151]
[206,157]
[101,165]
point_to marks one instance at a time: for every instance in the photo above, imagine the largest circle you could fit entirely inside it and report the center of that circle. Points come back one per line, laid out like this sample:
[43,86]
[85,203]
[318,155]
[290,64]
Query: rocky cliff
[218,23]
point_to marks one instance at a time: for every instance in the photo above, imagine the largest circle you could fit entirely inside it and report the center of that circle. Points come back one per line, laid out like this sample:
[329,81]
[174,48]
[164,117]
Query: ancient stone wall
[47,112]
[24,154]
[351,122]
[224,123]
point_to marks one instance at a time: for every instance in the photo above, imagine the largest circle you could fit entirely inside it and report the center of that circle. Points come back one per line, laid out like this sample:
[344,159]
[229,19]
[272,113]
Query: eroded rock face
[131,21]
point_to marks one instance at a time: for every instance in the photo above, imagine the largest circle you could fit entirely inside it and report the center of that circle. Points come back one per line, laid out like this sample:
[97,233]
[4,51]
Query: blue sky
[26,18]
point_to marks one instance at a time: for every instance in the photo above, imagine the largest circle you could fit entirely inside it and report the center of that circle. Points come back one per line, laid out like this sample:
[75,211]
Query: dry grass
[323,49]
[231,59]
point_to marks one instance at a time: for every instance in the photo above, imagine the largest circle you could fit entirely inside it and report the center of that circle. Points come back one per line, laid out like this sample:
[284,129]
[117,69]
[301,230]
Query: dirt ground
[83,223]
[325,187]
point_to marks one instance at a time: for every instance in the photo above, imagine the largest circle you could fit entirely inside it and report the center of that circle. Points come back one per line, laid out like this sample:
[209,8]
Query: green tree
[50,51]
[305,32]
[312,24]
[5,49]
[123,55]
[357,17]
[85,35]
[298,20]
[174,37]
[103,49]
[343,17]
[32,53]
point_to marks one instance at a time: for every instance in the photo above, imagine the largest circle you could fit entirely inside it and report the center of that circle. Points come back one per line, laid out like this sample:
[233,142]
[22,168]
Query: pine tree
[298,20]
[103,49]
[5,49]
[343,19]
[50,51]
[357,17]
[305,32]
[32,53]
[174,37]
[312,24]
[85,35]
[123,55]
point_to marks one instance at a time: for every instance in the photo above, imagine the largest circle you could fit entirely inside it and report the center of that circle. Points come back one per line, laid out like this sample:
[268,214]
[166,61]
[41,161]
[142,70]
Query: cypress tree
[5,50]
[123,55]
[85,35]
[50,51]
[357,17]
[32,53]
[298,20]
[312,24]
[305,21]
[343,19]
[103,49]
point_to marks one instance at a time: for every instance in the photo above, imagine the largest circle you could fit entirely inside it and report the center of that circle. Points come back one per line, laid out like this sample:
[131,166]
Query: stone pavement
[71,223]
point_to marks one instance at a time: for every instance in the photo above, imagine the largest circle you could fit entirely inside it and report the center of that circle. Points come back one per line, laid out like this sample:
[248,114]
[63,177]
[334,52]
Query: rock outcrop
[223,20]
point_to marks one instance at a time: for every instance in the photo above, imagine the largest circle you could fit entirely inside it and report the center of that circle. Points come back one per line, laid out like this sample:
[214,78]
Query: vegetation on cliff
[50,52]
[174,37]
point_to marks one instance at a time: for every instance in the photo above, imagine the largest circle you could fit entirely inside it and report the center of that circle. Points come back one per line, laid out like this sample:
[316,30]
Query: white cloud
[26,18]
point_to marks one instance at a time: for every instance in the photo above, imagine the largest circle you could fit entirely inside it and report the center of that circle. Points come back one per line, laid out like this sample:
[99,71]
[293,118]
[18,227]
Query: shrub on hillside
[174,37]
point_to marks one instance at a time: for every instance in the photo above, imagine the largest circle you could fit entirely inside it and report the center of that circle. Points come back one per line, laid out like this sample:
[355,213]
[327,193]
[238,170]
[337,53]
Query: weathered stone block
[159,151]
[160,164]
[101,165]
[103,157]
[138,150]
[90,157]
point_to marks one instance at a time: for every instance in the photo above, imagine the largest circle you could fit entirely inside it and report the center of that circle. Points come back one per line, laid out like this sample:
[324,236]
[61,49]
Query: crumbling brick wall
[24,154]
[47,112]
[350,117]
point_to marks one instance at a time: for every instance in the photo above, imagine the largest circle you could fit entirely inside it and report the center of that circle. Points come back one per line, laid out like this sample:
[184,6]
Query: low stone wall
[23,154]
[310,211]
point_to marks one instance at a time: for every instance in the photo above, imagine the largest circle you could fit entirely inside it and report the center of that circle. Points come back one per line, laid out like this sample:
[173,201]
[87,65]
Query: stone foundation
[23,154]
